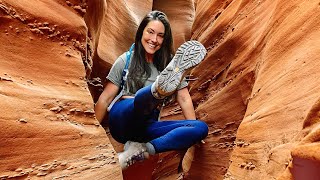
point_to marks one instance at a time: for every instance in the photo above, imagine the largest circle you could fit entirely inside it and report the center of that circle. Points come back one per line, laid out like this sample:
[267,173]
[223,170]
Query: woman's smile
[152,37]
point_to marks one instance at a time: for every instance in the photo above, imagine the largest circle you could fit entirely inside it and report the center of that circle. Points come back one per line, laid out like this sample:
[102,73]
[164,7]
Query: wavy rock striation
[258,88]
[48,129]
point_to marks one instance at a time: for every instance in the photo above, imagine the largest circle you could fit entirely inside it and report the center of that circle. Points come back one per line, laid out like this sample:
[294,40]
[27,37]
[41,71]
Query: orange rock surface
[48,129]
[258,88]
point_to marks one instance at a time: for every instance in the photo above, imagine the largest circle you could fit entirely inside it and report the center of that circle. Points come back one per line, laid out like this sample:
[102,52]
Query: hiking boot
[188,55]
[133,152]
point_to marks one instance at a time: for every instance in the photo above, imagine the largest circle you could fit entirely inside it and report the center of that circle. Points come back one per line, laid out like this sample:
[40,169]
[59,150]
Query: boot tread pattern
[188,55]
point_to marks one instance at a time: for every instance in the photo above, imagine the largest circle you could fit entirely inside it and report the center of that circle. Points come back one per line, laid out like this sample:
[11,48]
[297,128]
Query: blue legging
[136,119]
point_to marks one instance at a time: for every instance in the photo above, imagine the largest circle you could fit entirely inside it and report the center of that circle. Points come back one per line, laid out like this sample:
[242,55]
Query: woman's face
[152,37]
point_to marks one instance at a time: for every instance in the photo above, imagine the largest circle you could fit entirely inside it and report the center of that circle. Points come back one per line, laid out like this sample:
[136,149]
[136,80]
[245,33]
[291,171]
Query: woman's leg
[175,135]
[145,103]
[163,136]
[128,118]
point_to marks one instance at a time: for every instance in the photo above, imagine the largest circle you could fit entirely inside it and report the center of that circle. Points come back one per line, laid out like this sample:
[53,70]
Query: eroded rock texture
[48,129]
[258,88]
[261,92]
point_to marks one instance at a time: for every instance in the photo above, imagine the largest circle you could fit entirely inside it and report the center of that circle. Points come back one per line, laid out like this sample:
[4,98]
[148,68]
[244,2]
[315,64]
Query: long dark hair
[139,66]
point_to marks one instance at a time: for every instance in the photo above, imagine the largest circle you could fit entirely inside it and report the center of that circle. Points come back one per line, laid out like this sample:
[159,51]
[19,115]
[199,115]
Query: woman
[133,120]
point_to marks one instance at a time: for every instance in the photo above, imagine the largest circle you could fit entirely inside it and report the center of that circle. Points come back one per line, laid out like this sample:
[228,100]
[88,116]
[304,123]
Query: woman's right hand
[109,93]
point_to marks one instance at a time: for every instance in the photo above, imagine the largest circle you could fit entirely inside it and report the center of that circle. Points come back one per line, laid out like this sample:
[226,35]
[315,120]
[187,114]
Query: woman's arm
[108,94]
[185,102]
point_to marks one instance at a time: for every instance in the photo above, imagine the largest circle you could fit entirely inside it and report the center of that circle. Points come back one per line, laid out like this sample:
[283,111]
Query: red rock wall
[48,129]
[261,92]
[258,88]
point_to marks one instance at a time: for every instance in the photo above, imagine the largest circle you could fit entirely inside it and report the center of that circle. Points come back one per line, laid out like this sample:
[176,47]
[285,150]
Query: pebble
[23,120]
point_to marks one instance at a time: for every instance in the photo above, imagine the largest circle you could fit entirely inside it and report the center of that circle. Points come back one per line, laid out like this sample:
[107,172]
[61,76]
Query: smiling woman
[153,75]
[153,47]
[152,38]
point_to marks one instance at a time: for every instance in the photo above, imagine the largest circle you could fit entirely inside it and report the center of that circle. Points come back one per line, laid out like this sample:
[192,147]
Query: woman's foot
[188,55]
[133,152]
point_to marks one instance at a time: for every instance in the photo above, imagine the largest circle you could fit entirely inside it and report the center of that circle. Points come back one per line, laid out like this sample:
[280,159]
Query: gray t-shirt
[115,75]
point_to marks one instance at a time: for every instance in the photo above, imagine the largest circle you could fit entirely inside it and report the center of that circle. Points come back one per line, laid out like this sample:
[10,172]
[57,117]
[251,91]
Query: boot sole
[188,55]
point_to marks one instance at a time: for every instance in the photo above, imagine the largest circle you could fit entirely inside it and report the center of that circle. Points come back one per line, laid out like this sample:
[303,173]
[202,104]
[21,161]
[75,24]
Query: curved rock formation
[258,88]
[48,129]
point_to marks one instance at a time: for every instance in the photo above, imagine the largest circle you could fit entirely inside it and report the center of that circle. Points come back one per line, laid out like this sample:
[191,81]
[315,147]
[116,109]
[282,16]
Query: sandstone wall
[48,129]
[261,92]
[258,88]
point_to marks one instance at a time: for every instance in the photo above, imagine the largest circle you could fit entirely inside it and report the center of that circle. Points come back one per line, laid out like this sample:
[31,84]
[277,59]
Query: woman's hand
[108,94]
[185,102]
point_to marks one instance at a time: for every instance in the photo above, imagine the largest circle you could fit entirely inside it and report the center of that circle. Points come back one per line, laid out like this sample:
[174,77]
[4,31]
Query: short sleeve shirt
[115,75]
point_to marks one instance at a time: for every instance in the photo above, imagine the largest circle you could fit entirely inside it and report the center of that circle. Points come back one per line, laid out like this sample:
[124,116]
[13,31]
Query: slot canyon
[258,88]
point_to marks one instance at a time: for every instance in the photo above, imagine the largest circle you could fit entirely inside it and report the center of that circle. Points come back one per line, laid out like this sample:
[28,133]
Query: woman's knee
[202,128]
